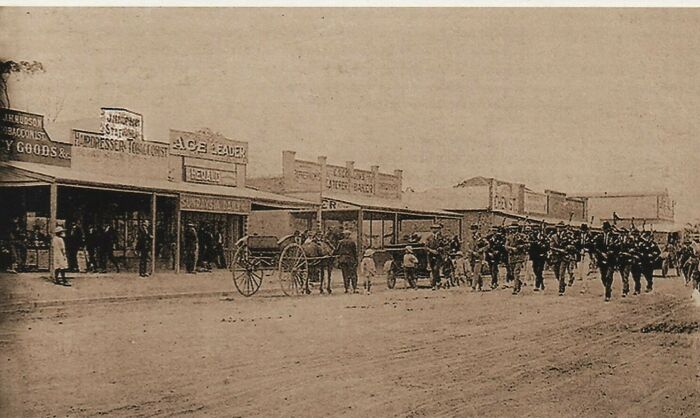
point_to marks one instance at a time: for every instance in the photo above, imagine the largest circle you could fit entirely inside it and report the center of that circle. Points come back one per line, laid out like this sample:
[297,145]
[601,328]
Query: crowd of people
[527,250]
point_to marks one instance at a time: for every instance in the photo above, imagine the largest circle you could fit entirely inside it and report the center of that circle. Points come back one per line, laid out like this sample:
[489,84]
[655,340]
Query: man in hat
[496,252]
[433,244]
[516,246]
[584,244]
[108,239]
[606,253]
[144,242]
[625,259]
[410,263]
[635,260]
[559,255]
[478,248]
[649,252]
[537,250]
[347,261]
[191,247]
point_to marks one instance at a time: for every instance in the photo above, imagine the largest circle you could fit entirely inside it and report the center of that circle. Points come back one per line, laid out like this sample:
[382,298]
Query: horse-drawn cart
[258,256]
[394,266]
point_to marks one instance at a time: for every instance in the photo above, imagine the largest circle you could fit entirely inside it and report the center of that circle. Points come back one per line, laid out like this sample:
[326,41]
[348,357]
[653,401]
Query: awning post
[178,226]
[53,210]
[153,233]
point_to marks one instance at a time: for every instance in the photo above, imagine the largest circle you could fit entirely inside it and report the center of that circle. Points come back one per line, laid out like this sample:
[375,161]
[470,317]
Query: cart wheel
[293,269]
[247,275]
[390,279]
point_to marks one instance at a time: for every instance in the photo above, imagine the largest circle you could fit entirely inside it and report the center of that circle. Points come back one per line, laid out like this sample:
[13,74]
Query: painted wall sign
[505,197]
[535,203]
[206,175]
[23,138]
[122,131]
[208,145]
[214,204]
[121,124]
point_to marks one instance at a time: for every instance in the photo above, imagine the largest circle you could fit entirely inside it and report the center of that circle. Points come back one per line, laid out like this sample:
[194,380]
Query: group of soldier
[568,251]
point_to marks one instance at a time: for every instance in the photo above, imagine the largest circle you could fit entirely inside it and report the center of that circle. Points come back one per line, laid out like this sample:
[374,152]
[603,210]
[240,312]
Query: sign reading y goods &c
[208,146]
[23,138]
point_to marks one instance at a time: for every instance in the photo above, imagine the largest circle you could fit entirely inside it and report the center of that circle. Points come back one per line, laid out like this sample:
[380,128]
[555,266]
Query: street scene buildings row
[114,179]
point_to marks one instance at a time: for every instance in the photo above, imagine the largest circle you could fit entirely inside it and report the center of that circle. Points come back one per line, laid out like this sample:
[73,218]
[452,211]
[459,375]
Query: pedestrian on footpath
[347,261]
[191,248]
[144,242]
[60,260]
[107,240]
[368,269]
[410,262]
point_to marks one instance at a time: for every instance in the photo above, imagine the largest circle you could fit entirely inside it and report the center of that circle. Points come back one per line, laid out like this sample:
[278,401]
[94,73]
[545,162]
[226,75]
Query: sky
[574,100]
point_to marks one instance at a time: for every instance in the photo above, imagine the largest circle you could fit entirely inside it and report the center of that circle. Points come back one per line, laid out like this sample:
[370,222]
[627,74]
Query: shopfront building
[117,179]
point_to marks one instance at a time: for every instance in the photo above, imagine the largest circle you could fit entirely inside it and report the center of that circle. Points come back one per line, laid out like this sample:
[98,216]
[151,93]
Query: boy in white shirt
[368,269]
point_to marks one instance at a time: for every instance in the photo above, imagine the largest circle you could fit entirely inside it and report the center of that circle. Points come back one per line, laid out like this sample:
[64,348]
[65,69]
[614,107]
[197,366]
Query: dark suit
[606,253]
[347,261]
[434,257]
[107,240]
[144,242]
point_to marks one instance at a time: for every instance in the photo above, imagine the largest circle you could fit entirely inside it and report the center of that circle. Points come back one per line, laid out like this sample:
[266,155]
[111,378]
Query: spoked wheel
[293,270]
[247,274]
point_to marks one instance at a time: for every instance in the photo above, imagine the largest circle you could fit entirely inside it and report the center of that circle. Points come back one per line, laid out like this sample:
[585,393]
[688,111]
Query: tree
[7,68]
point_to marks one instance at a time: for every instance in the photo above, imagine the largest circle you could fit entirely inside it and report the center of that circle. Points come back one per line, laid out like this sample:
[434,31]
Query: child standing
[410,262]
[60,261]
[367,269]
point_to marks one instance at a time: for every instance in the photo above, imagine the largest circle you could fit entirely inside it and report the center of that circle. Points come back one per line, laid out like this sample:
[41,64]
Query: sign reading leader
[208,146]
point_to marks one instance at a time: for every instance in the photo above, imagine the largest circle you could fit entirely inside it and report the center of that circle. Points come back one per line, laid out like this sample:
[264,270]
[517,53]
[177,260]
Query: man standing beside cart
[433,244]
[347,261]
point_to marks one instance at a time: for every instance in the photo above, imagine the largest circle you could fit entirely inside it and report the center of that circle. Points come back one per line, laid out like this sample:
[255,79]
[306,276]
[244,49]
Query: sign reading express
[214,204]
[208,146]
[23,138]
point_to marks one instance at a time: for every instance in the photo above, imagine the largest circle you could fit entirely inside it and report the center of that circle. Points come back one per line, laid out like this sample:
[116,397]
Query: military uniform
[495,253]
[625,260]
[559,256]
[479,246]
[648,253]
[538,248]
[573,251]
[606,252]
[516,244]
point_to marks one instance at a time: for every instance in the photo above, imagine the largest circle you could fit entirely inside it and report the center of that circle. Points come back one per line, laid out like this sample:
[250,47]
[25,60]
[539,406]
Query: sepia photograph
[378,211]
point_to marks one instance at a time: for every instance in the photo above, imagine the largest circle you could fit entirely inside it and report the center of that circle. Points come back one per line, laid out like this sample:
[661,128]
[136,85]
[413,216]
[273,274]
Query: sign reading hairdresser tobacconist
[23,138]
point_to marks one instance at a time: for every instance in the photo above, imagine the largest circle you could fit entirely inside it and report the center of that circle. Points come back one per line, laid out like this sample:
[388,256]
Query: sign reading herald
[208,145]
[23,138]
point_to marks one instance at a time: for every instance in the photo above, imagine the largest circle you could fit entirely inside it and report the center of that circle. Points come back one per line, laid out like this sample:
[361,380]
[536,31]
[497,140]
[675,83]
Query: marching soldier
[573,253]
[539,246]
[478,248]
[627,244]
[649,252]
[495,253]
[516,245]
[636,266]
[685,253]
[559,255]
[585,245]
[606,253]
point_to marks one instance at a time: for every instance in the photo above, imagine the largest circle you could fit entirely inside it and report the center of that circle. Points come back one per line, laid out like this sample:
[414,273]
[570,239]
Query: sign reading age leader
[208,145]
[23,138]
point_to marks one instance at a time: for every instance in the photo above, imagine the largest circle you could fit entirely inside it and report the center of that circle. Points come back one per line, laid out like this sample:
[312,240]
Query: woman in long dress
[60,261]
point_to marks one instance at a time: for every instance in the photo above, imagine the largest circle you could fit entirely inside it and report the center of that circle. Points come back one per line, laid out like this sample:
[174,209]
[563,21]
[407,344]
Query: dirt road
[393,353]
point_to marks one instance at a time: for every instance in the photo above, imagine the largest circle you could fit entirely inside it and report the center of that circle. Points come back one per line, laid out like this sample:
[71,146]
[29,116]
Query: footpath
[36,290]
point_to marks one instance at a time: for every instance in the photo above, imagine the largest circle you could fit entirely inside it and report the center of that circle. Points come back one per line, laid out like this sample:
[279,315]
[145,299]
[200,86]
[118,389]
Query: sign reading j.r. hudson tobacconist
[122,131]
[23,138]
[208,145]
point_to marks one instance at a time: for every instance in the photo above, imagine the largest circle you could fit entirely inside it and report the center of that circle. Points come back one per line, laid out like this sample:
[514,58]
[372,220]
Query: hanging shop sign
[121,132]
[202,203]
[23,138]
[121,124]
[209,146]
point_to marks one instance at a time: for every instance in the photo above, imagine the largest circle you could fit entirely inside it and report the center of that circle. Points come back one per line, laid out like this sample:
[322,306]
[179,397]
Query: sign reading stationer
[23,138]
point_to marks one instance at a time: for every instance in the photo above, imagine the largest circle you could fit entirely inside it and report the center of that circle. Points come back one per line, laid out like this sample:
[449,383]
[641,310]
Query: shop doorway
[217,234]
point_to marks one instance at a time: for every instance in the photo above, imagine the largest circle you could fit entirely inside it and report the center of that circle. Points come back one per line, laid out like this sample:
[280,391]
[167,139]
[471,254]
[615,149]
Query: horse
[320,255]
